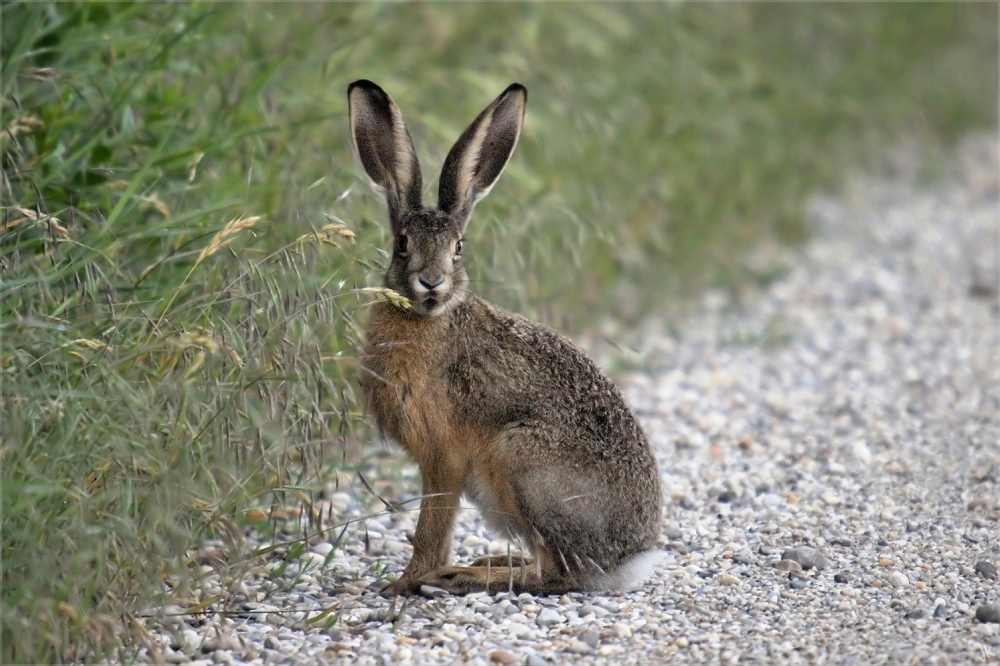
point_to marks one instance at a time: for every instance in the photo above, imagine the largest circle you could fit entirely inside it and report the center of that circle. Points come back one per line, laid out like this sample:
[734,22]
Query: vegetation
[187,245]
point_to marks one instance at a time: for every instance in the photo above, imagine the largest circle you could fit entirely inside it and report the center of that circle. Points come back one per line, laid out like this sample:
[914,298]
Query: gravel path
[830,460]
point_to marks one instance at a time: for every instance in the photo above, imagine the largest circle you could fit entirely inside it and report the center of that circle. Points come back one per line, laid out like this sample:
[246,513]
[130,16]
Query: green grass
[167,365]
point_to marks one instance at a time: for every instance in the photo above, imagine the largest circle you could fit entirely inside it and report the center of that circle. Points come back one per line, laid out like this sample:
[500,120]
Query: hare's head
[426,262]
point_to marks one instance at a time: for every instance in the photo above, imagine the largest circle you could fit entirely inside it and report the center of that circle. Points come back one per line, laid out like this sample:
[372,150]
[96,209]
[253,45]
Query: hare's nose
[432,283]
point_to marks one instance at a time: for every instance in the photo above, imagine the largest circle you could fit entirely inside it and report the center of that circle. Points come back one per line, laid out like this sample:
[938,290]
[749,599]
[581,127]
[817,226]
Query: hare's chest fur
[403,378]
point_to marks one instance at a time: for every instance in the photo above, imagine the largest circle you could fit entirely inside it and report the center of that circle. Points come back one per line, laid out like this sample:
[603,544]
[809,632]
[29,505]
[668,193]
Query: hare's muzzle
[432,292]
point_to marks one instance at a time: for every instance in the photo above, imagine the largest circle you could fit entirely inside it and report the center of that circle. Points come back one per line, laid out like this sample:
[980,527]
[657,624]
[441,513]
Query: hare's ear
[479,156]
[385,148]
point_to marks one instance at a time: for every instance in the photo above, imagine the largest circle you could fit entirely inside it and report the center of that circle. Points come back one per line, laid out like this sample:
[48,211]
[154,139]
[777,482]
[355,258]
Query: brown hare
[490,404]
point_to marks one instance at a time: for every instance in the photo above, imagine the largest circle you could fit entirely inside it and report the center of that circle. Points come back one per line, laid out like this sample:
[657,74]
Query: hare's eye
[458,248]
[401,244]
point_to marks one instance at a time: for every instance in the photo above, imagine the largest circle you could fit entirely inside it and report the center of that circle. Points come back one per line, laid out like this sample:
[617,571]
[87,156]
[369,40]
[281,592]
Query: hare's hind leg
[538,576]
[512,560]
[463,580]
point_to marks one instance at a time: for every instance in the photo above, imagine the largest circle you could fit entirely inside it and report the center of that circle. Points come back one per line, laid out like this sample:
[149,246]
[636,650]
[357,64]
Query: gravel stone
[987,570]
[847,401]
[189,640]
[323,548]
[517,629]
[809,558]
[222,642]
[988,613]
[898,579]
[621,630]
[688,503]
[790,566]
[548,617]
[597,611]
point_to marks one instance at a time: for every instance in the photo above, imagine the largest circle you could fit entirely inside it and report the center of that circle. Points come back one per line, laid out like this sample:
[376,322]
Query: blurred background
[187,243]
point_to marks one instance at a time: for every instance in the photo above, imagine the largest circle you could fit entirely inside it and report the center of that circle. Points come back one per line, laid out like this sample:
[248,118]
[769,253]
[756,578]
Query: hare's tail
[630,574]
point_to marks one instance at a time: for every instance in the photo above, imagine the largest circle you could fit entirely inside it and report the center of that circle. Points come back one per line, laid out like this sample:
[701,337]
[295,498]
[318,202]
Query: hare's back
[507,370]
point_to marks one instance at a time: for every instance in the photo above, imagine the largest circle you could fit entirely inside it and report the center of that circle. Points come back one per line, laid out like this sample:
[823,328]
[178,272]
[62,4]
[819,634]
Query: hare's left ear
[479,156]
[385,149]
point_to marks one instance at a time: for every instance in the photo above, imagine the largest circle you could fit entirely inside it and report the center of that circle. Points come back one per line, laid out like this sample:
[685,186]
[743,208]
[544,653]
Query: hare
[490,404]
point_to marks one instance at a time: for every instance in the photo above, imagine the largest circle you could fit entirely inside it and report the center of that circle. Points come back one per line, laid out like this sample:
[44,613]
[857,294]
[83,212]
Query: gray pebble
[988,613]
[987,570]
[593,610]
[610,604]
[841,578]
[548,617]
[432,592]
[591,637]
[788,565]
[809,558]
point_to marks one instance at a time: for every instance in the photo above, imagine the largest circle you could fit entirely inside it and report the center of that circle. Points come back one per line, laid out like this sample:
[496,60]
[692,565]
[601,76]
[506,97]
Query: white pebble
[898,579]
[621,630]
[323,548]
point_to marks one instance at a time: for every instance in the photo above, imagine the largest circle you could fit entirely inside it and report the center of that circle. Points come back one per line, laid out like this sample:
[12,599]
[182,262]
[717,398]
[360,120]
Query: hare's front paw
[457,580]
[402,585]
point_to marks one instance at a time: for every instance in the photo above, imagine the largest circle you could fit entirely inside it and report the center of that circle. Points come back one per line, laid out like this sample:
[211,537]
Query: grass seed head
[225,236]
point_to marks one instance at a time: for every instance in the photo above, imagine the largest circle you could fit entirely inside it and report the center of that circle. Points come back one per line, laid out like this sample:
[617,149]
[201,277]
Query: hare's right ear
[479,156]
[385,148]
